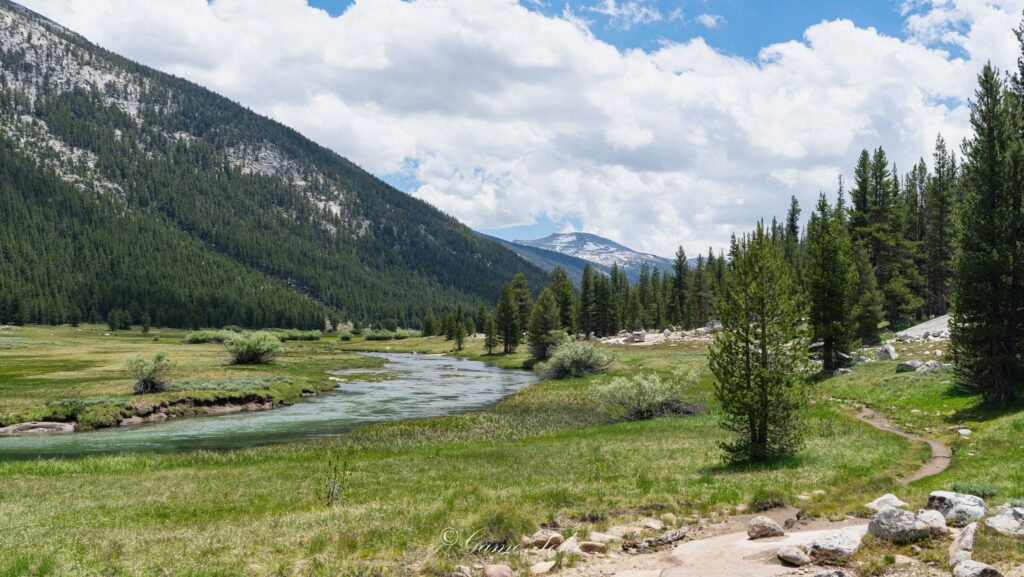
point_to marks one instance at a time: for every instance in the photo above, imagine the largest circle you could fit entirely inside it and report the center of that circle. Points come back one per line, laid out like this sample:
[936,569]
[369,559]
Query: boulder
[832,573]
[1018,572]
[934,520]
[761,527]
[900,527]
[570,546]
[887,501]
[593,547]
[542,567]
[597,537]
[975,569]
[842,371]
[793,556]
[546,539]
[1009,522]
[931,367]
[962,548]
[909,366]
[497,571]
[957,508]
[835,548]
[887,353]
[652,524]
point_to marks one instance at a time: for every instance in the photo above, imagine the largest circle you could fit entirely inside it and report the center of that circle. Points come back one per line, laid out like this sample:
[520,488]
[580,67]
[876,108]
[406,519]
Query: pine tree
[459,331]
[491,338]
[680,289]
[869,312]
[986,321]
[759,357]
[791,238]
[507,318]
[481,318]
[565,294]
[545,322]
[586,306]
[831,278]
[146,322]
[429,324]
[941,203]
[524,301]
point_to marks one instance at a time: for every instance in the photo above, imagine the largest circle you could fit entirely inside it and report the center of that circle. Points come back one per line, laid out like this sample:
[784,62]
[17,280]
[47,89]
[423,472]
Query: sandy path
[941,454]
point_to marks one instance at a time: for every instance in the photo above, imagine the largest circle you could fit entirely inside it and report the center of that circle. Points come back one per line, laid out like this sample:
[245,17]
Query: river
[424,386]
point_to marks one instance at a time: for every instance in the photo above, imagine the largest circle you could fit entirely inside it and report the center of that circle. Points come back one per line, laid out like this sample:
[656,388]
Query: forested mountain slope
[123,187]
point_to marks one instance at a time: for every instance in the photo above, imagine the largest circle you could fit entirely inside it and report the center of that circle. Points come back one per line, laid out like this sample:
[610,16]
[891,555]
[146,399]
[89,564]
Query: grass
[77,374]
[385,498]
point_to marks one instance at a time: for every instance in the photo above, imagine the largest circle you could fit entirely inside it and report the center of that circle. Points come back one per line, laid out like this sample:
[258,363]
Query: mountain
[600,251]
[122,187]
[549,259]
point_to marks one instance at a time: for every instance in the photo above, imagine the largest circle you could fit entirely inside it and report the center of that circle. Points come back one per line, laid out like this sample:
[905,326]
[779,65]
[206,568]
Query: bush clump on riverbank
[252,348]
[574,359]
[208,336]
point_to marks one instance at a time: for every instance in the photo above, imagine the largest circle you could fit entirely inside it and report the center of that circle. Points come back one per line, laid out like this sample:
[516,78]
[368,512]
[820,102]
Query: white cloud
[710,20]
[626,14]
[506,115]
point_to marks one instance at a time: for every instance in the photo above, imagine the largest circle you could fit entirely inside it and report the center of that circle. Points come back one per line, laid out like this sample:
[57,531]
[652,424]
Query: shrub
[575,359]
[209,336]
[297,335]
[499,529]
[252,348]
[383,335]
[232,328]
[150,376]
[644,396]
[983,490]
[345,336]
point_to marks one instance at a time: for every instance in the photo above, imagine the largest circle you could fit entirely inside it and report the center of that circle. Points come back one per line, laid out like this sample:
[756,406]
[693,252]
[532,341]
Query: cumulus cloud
[505,115]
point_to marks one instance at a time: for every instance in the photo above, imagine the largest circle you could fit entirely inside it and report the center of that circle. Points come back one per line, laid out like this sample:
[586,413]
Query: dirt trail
[941,454]
[723,549]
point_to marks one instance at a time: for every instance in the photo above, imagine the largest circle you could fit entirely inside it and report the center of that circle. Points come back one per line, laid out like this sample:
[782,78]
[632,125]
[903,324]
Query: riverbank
[381,499]
[74,377]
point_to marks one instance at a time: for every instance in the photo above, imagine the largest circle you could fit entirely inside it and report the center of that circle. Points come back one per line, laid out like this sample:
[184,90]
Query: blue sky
[747,25]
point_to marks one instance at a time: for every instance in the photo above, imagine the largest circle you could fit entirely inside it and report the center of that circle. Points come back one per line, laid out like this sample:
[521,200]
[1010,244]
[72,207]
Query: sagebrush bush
[983,490]
[575,358]
[150,376]
[644,396]
[252,348]
[297,335]
[384,335]
[209,336]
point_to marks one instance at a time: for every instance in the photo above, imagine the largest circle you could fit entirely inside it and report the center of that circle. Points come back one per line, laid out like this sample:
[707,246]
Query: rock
[962,548]
[497,571]
[652,524]
[964,432]
[836,548]
[887,501]
[842,371]
[1009,522]
[934,520]
[761,527]
[570,546]
[593,547]
[900,527]
[975,569]
[832,573]
[601,537]
[542,567]
[1018,572]
[887,353]
[957,508]
[931,367]
[546,539]
[37,428]
[666,538]
[794,556]
[909,366]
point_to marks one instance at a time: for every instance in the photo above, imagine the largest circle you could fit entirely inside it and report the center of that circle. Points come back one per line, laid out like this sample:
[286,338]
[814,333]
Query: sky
[655,123]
